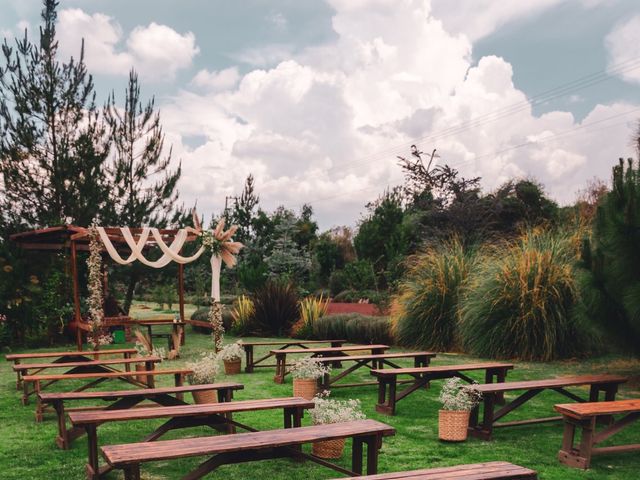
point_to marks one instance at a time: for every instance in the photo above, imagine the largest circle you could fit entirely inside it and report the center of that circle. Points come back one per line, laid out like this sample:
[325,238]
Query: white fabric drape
[169,253]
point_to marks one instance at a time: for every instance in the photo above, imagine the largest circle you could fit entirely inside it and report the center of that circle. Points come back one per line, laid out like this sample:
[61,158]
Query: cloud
[325,125]
[623,48]
[217,80]
[278,20]
[157,52]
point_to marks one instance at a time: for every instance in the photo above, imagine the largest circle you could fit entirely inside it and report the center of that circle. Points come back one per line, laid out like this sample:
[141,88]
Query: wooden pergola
[75,239]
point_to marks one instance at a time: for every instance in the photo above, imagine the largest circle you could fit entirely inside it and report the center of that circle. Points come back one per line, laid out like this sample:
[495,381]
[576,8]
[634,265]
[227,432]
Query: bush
[311,309]
[520,301]
[425,311]
[276,308]
[338,282]
[242,313]
[202,314]
[354,328]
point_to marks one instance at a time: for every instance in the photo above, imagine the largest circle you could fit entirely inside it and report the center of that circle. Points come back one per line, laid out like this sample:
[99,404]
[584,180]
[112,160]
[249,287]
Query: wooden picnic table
[252,446]
[377,361]
[99,377]
[251,364]
[476,471]
[389,396]
[484,428]
[342,351]
[218,416]
[585,416]
[125,399]
[65,357]
[88,366]
[177,328]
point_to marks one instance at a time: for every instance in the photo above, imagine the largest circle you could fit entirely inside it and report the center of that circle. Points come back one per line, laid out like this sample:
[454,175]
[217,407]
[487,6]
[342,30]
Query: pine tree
[144,188]
[244,211]
[52,144]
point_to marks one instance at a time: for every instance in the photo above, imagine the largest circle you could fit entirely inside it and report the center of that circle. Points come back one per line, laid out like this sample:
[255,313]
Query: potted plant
[333,411]
[231,356]
[204,371]
[305,373]
[458,399]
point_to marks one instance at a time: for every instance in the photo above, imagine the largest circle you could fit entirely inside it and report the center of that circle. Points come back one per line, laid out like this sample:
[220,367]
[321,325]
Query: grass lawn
[28,451]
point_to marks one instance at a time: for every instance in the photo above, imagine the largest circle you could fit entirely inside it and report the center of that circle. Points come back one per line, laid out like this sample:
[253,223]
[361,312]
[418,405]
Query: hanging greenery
[98,335]
[217,327]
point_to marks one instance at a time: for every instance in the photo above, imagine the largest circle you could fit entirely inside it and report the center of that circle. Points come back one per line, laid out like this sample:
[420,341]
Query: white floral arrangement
[309,368]
[205,370]
[327,410]
[231,352]
[99,335]
[459,396]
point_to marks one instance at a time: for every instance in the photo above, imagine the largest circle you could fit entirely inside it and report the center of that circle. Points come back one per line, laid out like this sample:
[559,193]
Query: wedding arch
[126,245]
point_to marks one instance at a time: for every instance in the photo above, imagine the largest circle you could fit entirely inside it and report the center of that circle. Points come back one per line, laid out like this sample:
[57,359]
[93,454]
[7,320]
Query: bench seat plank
[440,368]
[478,471]
[550,383]
[251,364]
[114,361]
[289,342]
[74,353]
[594,409]
[377,356]
[76,376]
[133,453]
[101,416]
[322,350]
[49,397]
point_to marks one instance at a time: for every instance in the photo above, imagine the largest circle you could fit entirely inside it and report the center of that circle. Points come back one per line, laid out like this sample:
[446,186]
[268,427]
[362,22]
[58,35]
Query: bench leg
[93,467]
[248,352]
[178,380]
[484,430]
[132,472]
[62,440]
[580,457]
[281,365]
[39,406]
[373,444]
[356,455]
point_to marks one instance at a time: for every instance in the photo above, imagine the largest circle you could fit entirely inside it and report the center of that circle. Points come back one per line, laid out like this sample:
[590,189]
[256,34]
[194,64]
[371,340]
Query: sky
[317,99]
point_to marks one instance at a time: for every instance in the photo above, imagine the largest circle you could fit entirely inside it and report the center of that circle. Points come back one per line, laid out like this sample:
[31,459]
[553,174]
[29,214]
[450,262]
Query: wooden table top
[347,348]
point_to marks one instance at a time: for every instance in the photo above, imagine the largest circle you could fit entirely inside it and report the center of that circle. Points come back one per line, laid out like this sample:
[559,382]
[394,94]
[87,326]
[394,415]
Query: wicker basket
[205,396]
[329,448]
[453,425]
[232,367]
[305,388]
[141,378]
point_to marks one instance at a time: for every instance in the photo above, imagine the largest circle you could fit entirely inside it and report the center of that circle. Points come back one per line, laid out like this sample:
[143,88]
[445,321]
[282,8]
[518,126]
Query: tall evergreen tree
[144,187]
[52,143]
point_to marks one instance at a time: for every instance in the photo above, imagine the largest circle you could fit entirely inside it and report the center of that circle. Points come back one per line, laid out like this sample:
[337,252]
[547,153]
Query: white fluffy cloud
[325,125]
[623,47]
[157,52]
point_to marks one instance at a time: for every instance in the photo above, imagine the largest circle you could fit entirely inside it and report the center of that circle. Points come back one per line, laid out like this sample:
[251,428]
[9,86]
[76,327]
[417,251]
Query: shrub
[242,313]
[425,311]
[276,308]
[353,327]
[338,282]
[202,314]
[520,301]
[311,309]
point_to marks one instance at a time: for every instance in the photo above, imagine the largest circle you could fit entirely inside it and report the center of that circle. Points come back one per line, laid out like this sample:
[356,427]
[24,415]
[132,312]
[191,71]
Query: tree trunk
[131,286]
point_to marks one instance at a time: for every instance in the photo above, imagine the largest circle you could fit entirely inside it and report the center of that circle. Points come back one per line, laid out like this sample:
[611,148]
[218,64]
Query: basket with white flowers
[305,373]
[327,410]
[231,355]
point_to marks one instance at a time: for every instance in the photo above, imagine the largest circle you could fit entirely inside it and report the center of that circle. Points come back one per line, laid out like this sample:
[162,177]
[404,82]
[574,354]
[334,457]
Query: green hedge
[354,328]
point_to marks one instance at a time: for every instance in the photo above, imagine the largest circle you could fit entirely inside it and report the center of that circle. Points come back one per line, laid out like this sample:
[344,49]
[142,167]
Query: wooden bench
[98,378]
[476,471]
[124,399]
[484,429]
[215,415]
[343,351]
[64,357]
[389,396]
[420,359]
[243,447]
[251,364]
[89,366]
[585,416]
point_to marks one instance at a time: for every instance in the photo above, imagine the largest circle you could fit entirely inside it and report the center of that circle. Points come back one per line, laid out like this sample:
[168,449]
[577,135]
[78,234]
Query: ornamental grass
[519,301]
[424,314]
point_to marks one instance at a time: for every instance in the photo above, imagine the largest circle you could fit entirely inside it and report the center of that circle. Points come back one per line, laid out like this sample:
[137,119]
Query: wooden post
[181,290]
[76,294]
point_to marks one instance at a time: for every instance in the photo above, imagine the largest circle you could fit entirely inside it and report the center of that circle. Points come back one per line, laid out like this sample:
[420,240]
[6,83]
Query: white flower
[231,352]
[309,368]
[335,411]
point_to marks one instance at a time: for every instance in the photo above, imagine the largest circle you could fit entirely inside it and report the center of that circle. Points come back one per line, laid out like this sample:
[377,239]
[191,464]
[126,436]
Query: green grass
[27,449]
